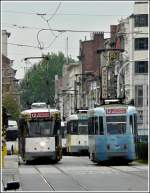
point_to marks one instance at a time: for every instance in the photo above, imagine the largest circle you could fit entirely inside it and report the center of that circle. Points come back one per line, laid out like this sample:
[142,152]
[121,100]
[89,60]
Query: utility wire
[73,14]
[71,30]
[53,40]
[47,21]
[55,12]
[24,45]
[42,16]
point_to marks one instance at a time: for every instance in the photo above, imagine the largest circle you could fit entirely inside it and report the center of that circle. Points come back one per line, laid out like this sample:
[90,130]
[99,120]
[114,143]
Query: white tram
[39,134]
[77,133]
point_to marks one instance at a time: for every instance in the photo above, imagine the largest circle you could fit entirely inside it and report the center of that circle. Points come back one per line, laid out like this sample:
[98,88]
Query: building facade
[9,82]
[67,93]
[90,69]
[133,38]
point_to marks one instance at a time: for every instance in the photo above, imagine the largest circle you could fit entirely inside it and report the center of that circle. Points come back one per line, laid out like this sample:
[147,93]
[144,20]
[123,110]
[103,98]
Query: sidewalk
[10,171]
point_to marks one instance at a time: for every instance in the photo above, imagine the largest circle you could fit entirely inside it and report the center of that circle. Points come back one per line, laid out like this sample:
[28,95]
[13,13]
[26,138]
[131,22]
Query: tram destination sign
[40,115]
[115,111]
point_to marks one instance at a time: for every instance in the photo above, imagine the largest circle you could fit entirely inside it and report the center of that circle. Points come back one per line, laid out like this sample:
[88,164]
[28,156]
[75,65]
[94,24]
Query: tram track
[66,174]
[70,176]
[44,179]
[127,172]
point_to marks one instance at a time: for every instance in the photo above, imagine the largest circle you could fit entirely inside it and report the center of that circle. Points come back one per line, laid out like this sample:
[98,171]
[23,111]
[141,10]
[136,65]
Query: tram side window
[131,124]
[96,125]
[135,128]
[91,126]
[101,128]
[72,127]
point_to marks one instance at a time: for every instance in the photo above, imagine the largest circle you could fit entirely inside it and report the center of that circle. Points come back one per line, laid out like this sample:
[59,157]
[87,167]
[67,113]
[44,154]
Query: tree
[11,106]
[38,83]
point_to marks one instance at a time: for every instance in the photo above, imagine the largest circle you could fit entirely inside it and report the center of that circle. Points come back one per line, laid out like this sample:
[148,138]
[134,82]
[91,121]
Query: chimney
[113,30]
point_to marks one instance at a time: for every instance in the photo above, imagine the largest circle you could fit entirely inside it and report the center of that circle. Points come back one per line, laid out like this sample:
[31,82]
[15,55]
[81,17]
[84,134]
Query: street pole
[75,85]
[118,77]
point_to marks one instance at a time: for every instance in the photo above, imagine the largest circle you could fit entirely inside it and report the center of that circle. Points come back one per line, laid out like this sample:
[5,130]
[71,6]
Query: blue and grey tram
[112,133]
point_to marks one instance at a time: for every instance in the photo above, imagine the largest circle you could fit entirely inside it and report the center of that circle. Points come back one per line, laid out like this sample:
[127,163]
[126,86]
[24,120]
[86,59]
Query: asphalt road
[80,174]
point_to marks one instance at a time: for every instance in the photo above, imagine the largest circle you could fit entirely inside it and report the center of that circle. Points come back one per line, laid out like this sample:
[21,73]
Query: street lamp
[75,96]
[118,77]
[77,83]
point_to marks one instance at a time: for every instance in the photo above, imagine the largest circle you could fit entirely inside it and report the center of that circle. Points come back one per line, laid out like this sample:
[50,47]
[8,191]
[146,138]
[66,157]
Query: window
[116,125]
[41,128]
[96,125]
[140,117]
[116,119]
[141,20]
[101,128]
[83,127]
[91,125]
[141,67]
[141,43]
[116,128]
[72,127]
[139,95]
[135,128]
[131,123]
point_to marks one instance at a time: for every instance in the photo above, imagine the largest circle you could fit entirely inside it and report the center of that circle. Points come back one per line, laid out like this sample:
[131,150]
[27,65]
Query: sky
[23,20]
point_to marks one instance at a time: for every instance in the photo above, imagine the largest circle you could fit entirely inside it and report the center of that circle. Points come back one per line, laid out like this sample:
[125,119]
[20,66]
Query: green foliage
[38,84]
[142,151]
[11,106]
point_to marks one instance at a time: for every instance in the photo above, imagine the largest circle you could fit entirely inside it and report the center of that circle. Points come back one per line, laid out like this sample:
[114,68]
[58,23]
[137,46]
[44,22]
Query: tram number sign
[40,115]
[115,111]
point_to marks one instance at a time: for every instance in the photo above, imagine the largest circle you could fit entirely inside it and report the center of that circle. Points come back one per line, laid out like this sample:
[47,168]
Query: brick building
[90,68]
[9,82]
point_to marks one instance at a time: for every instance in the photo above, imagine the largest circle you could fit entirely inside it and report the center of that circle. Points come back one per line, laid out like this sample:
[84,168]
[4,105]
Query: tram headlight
[42,143]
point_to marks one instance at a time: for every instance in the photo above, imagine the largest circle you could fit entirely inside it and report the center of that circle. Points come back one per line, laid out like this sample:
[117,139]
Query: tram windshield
[116,125]
[41,128]
[83,127]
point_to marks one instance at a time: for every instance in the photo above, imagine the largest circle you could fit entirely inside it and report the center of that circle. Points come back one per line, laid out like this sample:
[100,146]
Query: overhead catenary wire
[75,31]
[47,21]
[57,8]
[67,14]
[24,45]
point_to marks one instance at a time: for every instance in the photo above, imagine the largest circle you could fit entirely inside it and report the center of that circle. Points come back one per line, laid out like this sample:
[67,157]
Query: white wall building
[136,70]
[67,97]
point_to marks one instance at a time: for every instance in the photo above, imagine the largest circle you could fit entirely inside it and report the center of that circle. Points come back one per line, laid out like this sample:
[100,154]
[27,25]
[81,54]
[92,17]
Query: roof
[40,110]
[101,109]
